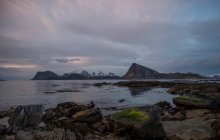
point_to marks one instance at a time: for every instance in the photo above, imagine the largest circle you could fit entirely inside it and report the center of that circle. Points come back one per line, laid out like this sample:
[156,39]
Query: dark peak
[135,65]
[45,75]
[137,71]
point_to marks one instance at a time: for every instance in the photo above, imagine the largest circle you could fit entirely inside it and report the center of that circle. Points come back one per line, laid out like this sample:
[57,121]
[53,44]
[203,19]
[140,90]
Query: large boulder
[25,116]
[66,109]
[138,124]
[194,102]
[199,128]
[88,116]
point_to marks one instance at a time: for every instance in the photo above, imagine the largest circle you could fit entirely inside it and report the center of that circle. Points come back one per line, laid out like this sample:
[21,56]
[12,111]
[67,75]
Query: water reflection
[14,93]
[135,91]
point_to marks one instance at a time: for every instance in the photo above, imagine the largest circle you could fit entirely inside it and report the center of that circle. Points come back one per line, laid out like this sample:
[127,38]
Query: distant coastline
[135,71]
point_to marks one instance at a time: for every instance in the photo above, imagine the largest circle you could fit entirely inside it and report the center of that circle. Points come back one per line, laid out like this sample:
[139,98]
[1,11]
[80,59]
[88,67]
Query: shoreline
[195,116]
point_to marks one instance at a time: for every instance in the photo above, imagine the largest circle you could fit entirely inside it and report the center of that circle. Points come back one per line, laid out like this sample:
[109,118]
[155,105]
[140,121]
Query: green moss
[132,115]
[192,99]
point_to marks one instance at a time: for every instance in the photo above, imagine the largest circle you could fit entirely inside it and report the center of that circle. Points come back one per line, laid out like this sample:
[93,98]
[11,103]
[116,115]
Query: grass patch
[192,99]
[132,115]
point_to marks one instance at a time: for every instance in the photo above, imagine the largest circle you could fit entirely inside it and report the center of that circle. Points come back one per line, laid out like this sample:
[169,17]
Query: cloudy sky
[108,35]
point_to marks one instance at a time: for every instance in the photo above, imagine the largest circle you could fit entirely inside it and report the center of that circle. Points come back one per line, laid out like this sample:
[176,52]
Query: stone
[179,116]
[196,113]
[91,105]
[7,137]
[69,108]
[55,134]
[163,105]
[88,116]
[121,100]
[3,129]
[24,117]
[6,113]
[138,124]
[198,128]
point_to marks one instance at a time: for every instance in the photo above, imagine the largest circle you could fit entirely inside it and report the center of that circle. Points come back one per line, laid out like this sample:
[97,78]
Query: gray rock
[25,116]
[55,134]
[3,129]
[143,125]
[7,137]
[179,116]
[6,113]
[88,116]
[198,128]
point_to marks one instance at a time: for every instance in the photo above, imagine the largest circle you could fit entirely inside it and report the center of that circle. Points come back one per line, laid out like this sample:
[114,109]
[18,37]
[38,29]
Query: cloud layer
[108,35]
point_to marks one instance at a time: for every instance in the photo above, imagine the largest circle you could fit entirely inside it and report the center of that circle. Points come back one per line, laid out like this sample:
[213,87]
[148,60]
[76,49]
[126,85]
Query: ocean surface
[13,93]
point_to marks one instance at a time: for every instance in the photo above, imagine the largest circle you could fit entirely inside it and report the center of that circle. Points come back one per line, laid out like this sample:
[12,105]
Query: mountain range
[83,75]
[135,71]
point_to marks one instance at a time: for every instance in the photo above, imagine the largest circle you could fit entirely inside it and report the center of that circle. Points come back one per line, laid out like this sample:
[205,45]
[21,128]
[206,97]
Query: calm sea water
[13,93]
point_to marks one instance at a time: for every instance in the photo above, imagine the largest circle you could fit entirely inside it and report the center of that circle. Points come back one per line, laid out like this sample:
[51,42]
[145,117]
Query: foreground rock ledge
[71,121]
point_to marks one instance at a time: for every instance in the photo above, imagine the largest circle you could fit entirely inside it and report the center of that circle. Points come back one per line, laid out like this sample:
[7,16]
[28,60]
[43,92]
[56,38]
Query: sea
[51,92]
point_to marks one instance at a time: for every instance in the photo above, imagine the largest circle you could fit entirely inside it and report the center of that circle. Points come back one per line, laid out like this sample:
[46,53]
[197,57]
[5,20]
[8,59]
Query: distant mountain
[137,71]
[86,74]
[46,75]
[214,77]
[72,76]
[2,80]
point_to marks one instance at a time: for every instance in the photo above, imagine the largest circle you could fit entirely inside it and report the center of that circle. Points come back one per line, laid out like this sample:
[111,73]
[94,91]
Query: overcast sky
[108,35]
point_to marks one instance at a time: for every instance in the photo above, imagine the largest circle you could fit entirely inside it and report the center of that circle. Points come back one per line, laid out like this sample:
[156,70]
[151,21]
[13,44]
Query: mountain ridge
[137,71]
[84,75]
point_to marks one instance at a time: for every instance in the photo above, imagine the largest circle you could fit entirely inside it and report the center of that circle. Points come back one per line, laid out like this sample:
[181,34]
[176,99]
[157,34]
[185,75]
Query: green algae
[132,115]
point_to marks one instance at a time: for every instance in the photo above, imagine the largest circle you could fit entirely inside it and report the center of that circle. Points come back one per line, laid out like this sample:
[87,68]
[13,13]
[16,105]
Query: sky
[108,36]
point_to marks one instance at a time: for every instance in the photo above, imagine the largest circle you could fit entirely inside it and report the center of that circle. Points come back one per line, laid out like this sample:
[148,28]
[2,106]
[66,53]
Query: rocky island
[137,71]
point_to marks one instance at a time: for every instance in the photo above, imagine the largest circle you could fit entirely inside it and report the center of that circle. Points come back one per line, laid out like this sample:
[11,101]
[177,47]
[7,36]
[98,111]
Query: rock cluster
[196,116]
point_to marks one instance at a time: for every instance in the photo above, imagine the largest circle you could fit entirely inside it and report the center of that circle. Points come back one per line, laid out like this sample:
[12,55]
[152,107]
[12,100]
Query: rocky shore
[196,116]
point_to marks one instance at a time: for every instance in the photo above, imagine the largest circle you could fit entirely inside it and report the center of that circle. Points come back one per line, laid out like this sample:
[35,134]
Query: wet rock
[55,85]
[88,116]
[7,137]
[67,90]
[6,113]
[163,105]
[91,105]
[101,137]
[25,116]
[121,100]
[216,126]
[196,113]
[100,127]
[50,115]
[50,92]
[55,134]
[3,129]
[101,84]
[69,108]
[80,129]
[195,88]
[194,102]
[179,116]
